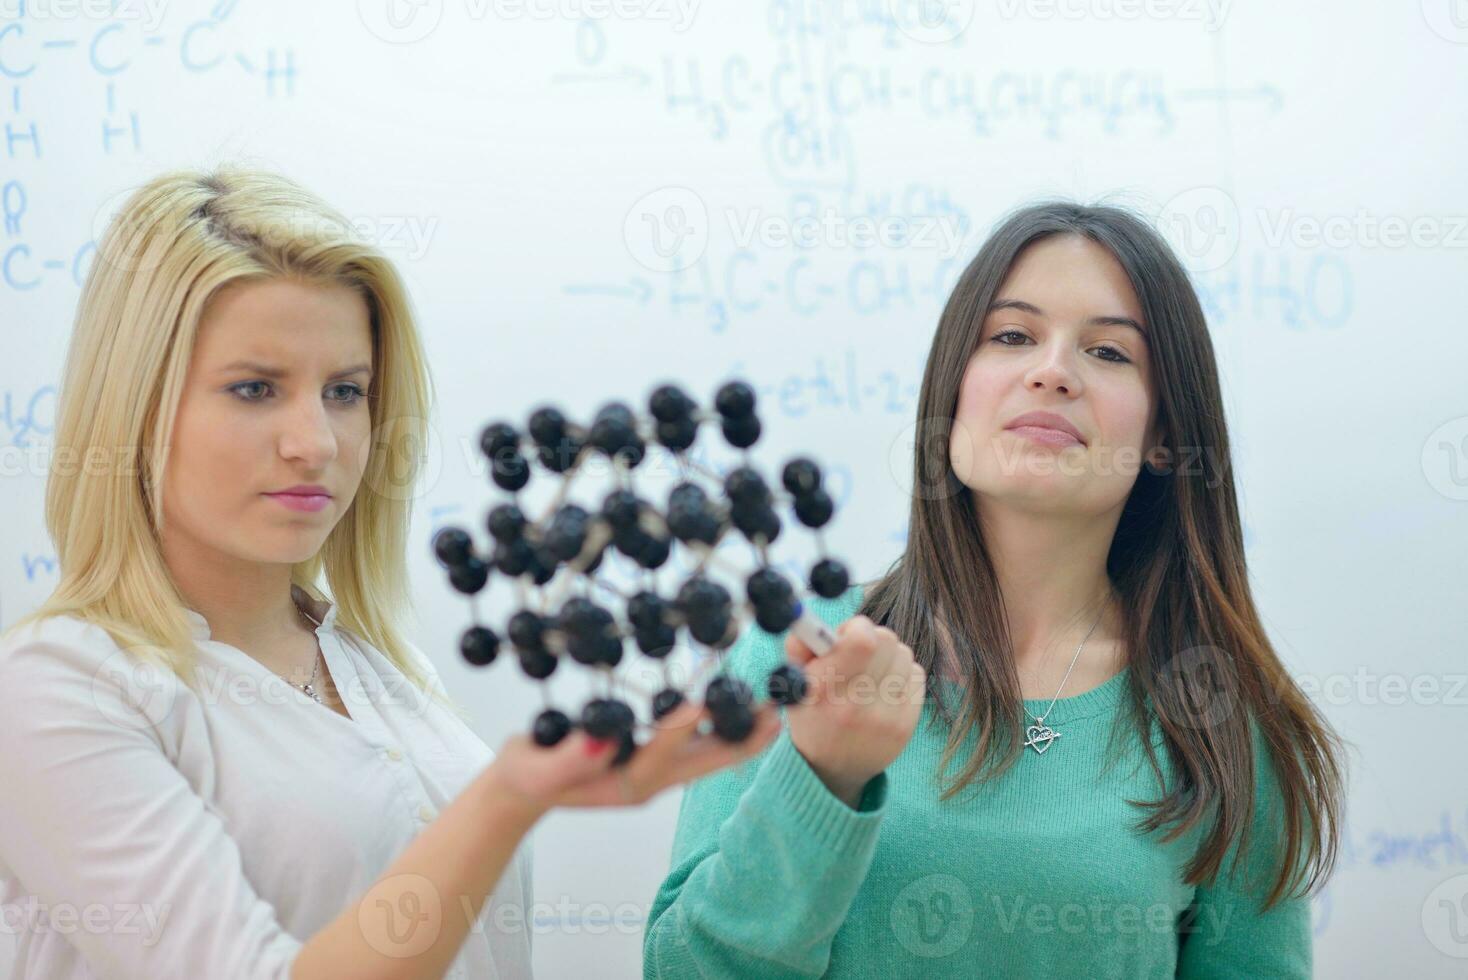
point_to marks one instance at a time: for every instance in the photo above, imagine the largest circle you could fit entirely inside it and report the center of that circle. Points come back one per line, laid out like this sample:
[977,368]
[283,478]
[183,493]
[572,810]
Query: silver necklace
[308,688]
[1039,735]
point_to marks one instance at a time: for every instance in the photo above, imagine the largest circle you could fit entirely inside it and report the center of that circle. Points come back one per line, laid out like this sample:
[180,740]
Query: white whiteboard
[589,197]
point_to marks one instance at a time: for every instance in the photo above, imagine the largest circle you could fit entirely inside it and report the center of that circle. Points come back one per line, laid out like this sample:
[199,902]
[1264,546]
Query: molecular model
[553,562]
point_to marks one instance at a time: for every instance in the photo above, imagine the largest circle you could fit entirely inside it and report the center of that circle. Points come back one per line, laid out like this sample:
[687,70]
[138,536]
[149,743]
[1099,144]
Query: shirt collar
[324,611]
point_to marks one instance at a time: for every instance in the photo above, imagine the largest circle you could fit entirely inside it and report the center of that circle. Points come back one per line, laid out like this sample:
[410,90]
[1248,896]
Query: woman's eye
[345,394]
[1112,354]
[354,394]
[246,384]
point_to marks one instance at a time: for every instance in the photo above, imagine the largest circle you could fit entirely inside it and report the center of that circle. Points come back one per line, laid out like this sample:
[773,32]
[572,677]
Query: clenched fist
[866,695]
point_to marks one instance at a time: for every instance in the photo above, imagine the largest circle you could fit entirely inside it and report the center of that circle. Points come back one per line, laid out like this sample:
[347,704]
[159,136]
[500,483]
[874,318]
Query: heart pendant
[1039,737]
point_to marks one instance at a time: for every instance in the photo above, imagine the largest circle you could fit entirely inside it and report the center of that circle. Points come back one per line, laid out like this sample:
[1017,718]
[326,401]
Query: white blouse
[151,832]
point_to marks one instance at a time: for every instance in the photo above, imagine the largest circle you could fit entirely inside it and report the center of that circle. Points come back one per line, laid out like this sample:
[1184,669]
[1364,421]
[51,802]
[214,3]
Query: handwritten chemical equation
[108,53]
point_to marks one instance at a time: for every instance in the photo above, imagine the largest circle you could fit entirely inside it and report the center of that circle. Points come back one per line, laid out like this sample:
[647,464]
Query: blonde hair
[177,241]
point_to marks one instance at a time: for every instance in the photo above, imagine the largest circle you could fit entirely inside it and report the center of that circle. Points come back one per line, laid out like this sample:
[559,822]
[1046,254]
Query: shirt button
[395,755]
[425,813]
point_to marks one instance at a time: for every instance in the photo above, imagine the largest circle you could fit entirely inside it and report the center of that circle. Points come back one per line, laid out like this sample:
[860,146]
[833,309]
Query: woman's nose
[1054,368]
[309,433]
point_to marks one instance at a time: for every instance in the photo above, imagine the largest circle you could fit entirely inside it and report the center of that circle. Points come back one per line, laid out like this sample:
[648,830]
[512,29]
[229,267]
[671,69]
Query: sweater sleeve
[1230,936]
[766,860]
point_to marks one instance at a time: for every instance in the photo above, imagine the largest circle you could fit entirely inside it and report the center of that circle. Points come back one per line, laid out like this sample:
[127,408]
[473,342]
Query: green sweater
[1038,874]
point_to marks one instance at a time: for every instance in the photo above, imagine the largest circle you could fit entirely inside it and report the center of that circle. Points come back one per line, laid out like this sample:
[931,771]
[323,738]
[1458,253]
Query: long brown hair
[1193,639]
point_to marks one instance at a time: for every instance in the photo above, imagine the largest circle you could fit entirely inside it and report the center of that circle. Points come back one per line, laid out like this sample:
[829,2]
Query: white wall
[540,168]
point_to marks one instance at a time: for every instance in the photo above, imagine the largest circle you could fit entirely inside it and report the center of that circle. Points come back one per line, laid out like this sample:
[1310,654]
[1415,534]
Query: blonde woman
[214,767]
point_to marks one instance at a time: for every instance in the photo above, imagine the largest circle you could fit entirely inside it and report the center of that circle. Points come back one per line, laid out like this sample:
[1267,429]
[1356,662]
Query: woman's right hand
[578,772]
[866,695]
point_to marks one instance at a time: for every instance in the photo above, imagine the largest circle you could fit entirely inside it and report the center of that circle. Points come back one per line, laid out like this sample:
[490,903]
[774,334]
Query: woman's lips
[301,501]
[1048,437]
